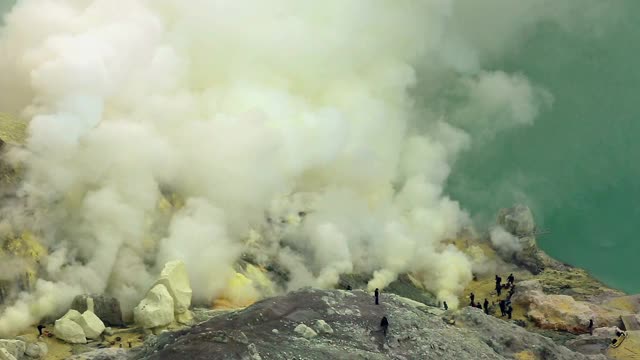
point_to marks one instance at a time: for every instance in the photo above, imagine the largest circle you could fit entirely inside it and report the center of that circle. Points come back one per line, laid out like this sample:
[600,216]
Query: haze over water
[577,165]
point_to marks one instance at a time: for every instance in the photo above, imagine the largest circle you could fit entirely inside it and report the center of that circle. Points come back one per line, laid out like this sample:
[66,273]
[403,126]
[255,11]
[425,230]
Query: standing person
[511,279]
[502,308]
[486,306]
[446,307]
[40,327]
[376,293]
[472,296]
[509,311]
[498,284]
[590,327]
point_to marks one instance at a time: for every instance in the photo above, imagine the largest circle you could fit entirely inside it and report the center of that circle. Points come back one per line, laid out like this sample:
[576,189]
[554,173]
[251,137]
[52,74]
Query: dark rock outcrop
[107,308]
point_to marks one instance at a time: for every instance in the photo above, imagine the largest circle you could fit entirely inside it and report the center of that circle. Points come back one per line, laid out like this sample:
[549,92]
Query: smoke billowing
[251,112]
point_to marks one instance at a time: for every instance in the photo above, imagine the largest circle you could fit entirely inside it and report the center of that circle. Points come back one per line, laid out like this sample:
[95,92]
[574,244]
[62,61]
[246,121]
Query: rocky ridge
[287,327]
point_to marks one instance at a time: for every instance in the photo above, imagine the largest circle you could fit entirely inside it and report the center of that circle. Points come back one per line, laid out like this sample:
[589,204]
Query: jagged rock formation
[416,331]
[75,328]
[91,325]
[156,309]
[68,330]
[175,278]
[561,312]
[518,221]
[168,300]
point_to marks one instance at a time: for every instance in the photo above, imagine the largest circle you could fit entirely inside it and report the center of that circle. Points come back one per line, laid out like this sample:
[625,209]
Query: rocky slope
[316,324]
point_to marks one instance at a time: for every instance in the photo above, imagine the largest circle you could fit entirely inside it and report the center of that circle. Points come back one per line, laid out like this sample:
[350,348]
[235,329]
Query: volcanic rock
[156,309]
[107,308]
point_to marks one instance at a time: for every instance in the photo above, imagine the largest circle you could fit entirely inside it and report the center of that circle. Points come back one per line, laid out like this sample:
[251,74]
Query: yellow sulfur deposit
[239,293]
[27,246]
[12,130]
[244,289]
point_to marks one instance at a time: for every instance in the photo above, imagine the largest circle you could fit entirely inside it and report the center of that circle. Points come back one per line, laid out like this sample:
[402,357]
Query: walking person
[384,324]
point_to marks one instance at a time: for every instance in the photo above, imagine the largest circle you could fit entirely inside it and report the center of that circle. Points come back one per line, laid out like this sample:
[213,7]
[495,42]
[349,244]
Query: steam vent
[315,180]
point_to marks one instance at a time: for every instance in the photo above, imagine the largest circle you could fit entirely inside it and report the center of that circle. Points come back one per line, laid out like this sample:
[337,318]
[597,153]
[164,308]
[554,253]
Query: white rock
[322,327]
[609,332]
[5,355]
[68,330]
[37,350]
[14,347]
[156,309]
[108,331]
[255,355]
[305,331]
[91,325]
[175,278]
[73,315]
[91,305]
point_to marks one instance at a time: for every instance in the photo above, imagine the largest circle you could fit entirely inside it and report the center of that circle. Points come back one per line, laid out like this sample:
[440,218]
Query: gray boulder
[37,350]
[68,330]
[15,348]
[107,308]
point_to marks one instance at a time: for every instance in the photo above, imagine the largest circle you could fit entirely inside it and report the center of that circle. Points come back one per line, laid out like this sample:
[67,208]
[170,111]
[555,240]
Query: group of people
[509,285]
[506,309]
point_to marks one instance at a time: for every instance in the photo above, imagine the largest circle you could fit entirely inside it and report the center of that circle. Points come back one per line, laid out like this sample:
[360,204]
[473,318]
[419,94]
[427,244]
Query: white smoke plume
[235,105]
[505,242]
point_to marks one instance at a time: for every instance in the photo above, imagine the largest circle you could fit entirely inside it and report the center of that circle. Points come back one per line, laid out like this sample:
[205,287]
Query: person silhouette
[384,323]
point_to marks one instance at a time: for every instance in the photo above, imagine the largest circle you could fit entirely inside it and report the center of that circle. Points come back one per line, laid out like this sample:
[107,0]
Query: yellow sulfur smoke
[239,293]
[243,289]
